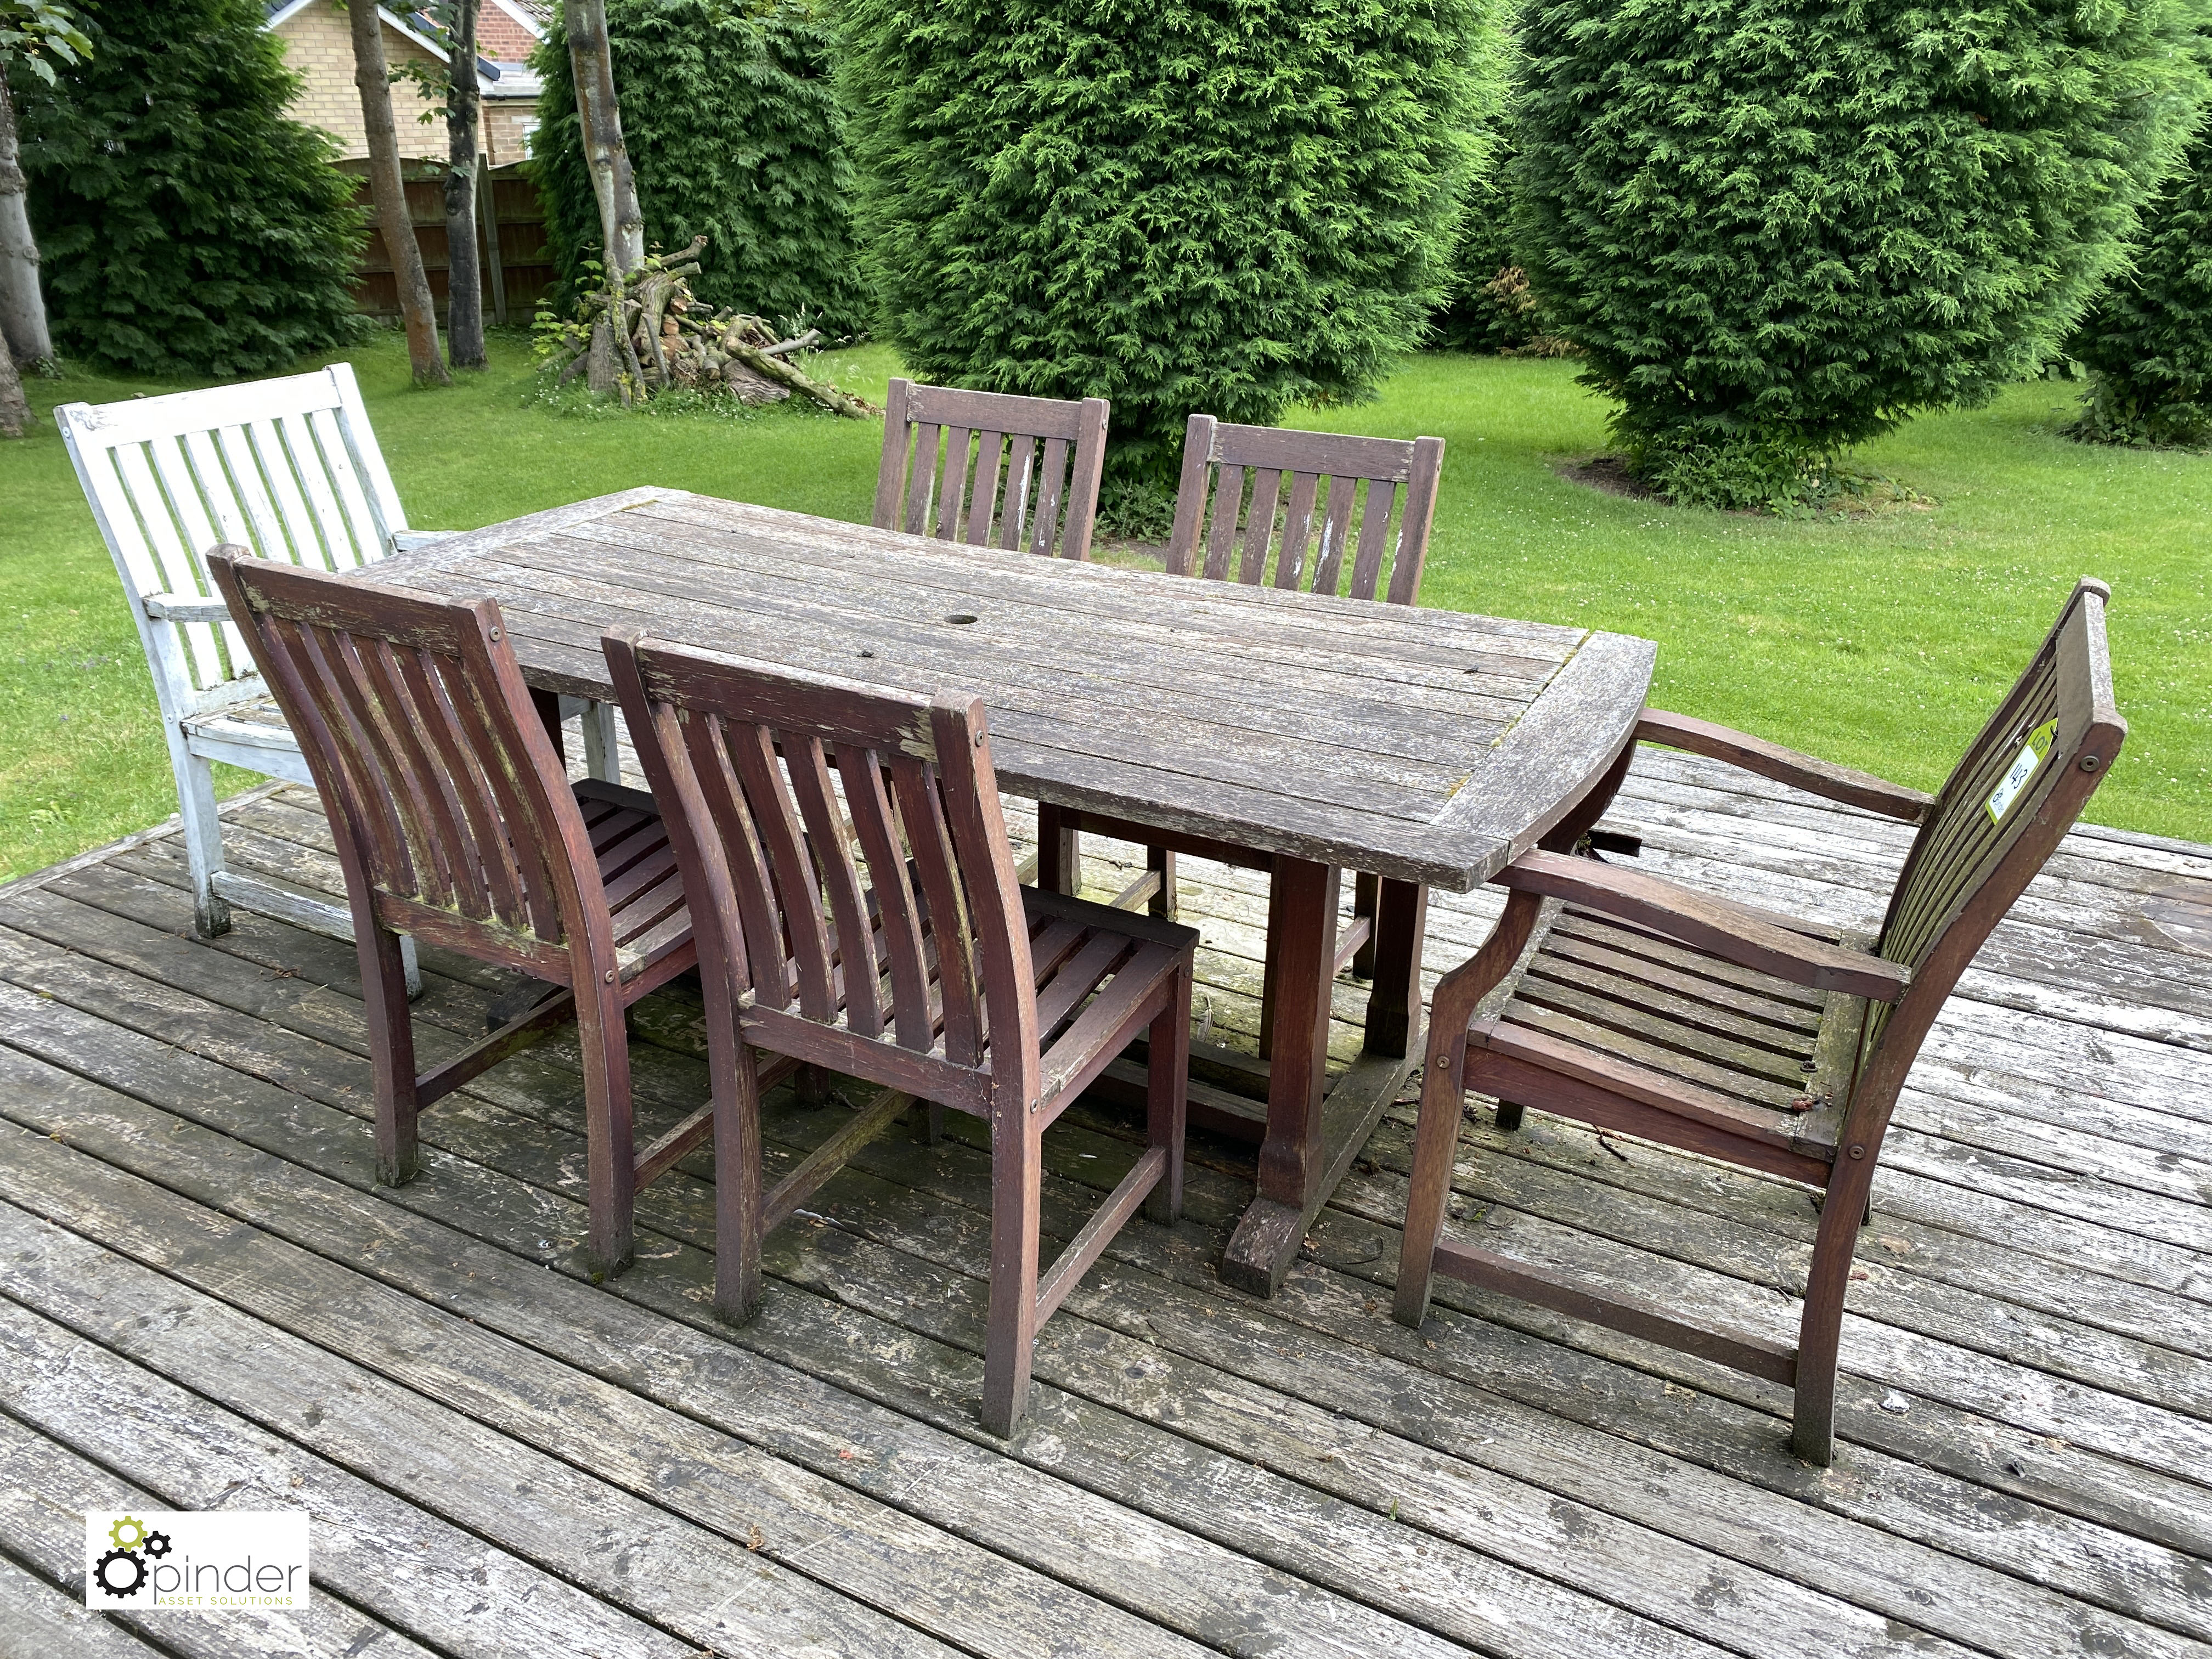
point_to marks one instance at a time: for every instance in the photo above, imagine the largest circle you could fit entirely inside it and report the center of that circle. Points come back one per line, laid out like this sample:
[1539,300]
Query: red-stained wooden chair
[966,465]
[1780,1046]
[912,959]
[456,823]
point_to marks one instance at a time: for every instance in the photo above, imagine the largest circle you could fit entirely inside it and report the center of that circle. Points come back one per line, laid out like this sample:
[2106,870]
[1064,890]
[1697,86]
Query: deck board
[188,1223]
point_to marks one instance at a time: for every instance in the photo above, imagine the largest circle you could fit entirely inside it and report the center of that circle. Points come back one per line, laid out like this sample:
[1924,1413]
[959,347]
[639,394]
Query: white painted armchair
[289,467]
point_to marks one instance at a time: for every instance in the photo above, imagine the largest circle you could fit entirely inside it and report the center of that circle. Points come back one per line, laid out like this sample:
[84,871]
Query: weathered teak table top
[1316,733]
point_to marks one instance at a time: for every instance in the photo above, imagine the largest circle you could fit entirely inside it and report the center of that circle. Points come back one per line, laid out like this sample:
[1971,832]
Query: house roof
[493,80]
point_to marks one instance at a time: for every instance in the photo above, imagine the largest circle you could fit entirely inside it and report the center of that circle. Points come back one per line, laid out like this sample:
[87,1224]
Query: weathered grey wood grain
[368,1548]
[1984,1521]
[1215,1591]
[38,1621]
[876,605]
[698,1581]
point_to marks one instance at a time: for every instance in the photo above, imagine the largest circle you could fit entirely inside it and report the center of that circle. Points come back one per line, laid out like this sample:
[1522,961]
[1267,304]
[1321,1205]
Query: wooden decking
[205,1301]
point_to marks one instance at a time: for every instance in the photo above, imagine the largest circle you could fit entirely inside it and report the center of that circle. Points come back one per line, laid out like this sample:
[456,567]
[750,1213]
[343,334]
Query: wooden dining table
[1300,734]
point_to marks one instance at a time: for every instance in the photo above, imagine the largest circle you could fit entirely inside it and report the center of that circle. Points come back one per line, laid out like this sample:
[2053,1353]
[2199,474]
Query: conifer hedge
[187,224]
[1776,227]
[731,116]
[2148,341]
[1223,205]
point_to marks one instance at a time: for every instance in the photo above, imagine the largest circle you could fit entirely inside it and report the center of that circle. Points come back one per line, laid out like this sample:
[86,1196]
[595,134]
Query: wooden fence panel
[510,246]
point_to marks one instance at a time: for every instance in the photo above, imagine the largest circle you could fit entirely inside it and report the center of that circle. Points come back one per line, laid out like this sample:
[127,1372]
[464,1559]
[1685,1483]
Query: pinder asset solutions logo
[204,1560]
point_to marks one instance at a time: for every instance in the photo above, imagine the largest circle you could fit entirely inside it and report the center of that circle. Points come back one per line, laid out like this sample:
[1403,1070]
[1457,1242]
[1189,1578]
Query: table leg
[1394,1003]
[1310,1141]
[1302,944]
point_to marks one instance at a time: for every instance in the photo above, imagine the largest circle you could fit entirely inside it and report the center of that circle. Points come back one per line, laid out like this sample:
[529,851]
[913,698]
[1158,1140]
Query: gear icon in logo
[157,1544]
[134,1525]
[112,1563]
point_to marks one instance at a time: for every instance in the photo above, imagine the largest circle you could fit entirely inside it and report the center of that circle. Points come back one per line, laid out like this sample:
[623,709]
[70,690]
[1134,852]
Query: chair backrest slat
[1021,484]
[1227,502]
[964,466]
[355,515]
[1336,524]
[442,788]
[1374,539]
[936,865]
[858,970]
[286,467]
[1995,823]
[904,951]
[1298,530]
[796,889]
[1259,527]
[1278,524]
[920,892]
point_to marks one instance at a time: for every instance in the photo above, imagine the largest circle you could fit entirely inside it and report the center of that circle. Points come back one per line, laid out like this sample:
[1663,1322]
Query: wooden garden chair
[965,465]
[899,950]
[456,822]
[291,469]
[1746,1036]
[1317,512]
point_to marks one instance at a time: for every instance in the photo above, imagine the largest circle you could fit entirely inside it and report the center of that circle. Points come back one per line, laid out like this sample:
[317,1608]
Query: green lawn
[1879,642]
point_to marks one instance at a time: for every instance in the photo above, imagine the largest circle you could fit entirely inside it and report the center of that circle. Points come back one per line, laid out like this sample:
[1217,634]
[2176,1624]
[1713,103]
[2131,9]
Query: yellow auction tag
[2015,778]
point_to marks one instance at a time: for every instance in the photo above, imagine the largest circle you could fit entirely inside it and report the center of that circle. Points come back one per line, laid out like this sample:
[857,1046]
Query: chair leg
[611,1150]
[392,1054]
[1509,1115]
[738,1202]
[203,845]
[1162,862]
[1813,1434]
[1366,895]
[1015,1157]
[928,1120]
[1435,1144]
[1167,1096]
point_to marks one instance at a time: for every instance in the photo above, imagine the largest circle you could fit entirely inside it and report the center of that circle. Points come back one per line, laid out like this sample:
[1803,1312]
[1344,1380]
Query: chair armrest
[406,541]
[186,607]
[1772,760]
[1735,933]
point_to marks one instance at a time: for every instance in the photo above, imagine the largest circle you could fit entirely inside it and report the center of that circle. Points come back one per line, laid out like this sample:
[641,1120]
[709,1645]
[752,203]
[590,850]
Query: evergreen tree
[187,224]
[1777,227]
[1226,205]
[2148,341]
[732,126]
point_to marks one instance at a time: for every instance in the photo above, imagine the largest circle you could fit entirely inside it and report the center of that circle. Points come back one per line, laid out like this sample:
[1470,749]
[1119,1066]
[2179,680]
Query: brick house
[319,45]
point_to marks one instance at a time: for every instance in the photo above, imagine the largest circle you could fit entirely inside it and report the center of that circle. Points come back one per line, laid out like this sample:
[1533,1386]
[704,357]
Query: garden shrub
[1487,307]
[187,224]
[2146,342]
[1776,227]
[1226,205]
[731,116]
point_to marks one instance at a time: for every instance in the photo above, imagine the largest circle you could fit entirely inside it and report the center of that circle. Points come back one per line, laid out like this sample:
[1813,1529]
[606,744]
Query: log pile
[638,337]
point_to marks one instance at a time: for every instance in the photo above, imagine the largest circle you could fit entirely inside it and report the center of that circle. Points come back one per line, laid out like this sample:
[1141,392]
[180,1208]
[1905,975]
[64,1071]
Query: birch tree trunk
[389,191]
[464,338]
[622,223]
[22,306]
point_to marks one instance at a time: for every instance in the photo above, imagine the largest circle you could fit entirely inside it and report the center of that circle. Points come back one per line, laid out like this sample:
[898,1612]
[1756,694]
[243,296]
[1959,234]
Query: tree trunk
[464,337]
[389,191]
[14,413]
[22,308]
[622,223]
